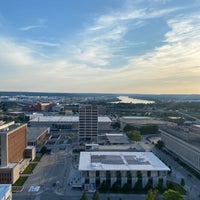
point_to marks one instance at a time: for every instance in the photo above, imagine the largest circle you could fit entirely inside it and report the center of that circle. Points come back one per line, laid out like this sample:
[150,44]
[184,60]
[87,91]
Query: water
[126,99]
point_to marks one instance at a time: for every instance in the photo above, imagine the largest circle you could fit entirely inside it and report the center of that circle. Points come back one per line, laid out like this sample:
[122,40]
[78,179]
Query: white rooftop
[4,188]
[66,119]
[123,161]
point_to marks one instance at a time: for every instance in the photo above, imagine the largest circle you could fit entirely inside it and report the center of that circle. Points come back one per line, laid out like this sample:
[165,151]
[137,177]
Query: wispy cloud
[99,43]
[42,43]
[41,23]
[83,64]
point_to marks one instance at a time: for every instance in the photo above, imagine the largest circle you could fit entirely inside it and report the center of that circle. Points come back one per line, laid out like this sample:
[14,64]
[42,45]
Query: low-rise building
[184,142]
[5,192]
[139,121]
[121,167]
[37,135]
[68,122]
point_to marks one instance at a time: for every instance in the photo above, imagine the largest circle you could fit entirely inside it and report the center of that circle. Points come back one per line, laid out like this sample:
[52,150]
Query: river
[126,99]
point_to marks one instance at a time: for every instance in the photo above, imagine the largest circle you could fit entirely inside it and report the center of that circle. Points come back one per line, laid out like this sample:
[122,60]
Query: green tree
[172,195]
[134,135]
[151,195]
[126,188]
[116,187]
[182,182]
[160,144]
[84,196]
[108,198]
[149,129]
[96,196]
[43,150]
[104,187]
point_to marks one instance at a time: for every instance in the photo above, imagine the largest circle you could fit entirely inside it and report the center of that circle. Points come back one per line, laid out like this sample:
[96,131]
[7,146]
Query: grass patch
[37,159]
[176,187]
[30,168]
[21,180]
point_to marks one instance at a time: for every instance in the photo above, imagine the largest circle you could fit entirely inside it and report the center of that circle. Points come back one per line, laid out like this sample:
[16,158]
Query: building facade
[13,143]
[122,167]
[188,151]
[70,123]
[88,123]
[37,136]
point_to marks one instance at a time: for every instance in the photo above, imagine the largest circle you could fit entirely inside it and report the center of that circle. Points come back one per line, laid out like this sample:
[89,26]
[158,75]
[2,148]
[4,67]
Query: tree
[126,188]
[150,195]
[160,144]
[84,196]
[96,196]
[134,135]
[182,182]
[104,187]
[172,195]
[43,150]
[116,187]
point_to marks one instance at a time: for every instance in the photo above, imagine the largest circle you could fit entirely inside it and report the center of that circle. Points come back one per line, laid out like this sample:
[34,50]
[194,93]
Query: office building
[88,123]
[121,167]
[13,151]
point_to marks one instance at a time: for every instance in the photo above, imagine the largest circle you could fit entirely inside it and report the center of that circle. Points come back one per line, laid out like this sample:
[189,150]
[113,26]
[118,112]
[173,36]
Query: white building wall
[184,150]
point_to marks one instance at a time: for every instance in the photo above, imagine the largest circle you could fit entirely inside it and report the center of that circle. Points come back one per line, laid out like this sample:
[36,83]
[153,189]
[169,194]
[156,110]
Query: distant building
[88,123]
[184,142]
[5,192]
[13,144]
[121,167]
[45,106]
[68,122]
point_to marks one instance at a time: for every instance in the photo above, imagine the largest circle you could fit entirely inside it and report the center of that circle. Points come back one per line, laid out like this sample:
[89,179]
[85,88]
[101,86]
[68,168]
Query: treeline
[168,194]
[147,129]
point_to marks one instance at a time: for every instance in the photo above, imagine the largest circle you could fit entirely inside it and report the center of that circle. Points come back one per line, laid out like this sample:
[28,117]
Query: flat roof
[65,119]
[142,120]
[120,161]
[4,188]
[115,138]
[8,127]
[34,132]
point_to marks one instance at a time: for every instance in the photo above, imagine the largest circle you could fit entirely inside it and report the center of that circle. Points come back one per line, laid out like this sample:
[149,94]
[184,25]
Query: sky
[101,46]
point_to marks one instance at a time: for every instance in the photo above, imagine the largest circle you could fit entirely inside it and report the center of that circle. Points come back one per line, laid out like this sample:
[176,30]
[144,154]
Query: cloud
[41,23]
[42,43]
[98,43]
[13,53]
[85,64]
[175,64]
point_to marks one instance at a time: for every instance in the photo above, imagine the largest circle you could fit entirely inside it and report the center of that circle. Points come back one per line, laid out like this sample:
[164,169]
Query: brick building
[13,143]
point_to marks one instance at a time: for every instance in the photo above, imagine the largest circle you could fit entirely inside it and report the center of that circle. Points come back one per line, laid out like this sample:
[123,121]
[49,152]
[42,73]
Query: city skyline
[111,46]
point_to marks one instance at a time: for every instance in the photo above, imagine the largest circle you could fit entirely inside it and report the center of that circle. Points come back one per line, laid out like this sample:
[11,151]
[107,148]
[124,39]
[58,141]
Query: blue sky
[107,46]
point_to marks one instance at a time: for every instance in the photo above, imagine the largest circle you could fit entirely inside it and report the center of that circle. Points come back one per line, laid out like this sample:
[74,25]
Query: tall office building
[13,151]
[88,123]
